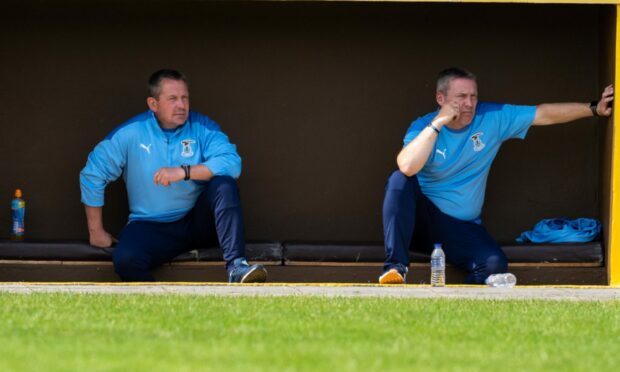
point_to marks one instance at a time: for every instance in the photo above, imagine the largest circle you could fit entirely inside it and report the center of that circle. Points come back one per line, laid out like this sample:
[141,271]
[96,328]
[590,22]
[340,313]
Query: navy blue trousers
[216,219]
[412,222]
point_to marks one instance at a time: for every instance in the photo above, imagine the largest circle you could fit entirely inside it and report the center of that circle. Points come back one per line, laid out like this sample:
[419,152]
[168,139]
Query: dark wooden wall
[317,96]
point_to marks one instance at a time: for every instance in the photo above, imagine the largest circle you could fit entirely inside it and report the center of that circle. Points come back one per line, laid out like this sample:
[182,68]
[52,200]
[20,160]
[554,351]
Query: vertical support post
[613,249]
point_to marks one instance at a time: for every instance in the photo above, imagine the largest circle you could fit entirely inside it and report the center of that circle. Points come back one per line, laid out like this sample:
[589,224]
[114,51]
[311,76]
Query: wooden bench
[49,261]
[532,264]
[77,261]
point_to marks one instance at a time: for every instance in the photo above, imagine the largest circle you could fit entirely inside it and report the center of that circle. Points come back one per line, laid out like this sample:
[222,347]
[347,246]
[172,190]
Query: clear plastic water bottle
[504,280]
[18,210]
[438,267]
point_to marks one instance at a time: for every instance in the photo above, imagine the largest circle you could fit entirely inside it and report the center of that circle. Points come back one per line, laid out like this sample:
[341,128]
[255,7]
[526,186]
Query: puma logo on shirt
[147,148]
[442,153]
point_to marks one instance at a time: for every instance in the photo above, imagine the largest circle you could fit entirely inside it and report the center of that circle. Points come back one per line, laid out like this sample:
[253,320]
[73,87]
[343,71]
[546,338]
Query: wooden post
[613,250]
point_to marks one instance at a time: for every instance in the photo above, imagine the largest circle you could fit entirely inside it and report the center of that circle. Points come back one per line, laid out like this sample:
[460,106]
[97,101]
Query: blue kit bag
[563,230]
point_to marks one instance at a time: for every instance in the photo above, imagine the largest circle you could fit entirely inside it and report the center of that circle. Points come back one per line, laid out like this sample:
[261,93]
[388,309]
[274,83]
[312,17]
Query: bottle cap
[18,193]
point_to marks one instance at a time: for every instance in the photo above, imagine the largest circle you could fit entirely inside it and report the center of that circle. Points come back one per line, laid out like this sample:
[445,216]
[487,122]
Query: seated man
[436,196]
[180,170]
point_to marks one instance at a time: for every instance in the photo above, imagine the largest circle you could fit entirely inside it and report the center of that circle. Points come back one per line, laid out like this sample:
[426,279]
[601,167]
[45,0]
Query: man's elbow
[407,169]
[236,168]
[236,173]
[233,171]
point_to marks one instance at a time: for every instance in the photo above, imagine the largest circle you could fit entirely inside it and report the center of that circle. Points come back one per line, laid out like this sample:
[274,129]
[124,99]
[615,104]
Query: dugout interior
[316,95]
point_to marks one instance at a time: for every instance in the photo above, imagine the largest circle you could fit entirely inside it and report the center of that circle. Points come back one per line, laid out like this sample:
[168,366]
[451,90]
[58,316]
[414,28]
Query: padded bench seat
[590,253]
[82,251]
[295,262]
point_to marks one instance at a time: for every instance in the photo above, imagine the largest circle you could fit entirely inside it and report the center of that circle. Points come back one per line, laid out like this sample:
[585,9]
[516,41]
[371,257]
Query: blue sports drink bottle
[18,210]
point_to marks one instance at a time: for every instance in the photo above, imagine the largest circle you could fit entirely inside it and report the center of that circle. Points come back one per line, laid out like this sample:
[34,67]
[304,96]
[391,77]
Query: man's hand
[446,115]
[166,176]
[604,108]
[101,239]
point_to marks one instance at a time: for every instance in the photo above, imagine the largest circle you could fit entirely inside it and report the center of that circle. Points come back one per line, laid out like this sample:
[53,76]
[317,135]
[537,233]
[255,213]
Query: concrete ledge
[350,290]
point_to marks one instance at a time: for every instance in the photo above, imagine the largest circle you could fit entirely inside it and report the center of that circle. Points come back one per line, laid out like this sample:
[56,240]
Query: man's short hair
[446,76]
[158,76]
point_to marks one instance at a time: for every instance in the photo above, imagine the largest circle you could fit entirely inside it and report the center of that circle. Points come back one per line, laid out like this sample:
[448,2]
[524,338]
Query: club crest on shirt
[478,144]
[187,150]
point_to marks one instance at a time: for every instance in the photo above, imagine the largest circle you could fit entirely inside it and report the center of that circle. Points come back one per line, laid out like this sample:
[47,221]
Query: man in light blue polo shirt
[437,194]
[180,171]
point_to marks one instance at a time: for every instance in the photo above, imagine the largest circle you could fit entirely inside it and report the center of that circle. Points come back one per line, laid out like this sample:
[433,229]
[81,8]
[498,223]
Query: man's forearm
[557,113]
[200,173]
[94,218]
[98,237]
[169,175]
[413,156]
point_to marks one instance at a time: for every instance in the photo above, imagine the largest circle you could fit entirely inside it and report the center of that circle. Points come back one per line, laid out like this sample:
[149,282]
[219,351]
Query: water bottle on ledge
[504,280]
[438,267]
[18,210]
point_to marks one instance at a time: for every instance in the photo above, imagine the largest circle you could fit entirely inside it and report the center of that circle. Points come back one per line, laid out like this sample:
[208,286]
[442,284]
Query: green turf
[47,332]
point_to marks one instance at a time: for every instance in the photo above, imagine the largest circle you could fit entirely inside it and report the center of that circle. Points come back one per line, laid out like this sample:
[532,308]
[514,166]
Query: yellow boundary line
[221,284]
[583,2]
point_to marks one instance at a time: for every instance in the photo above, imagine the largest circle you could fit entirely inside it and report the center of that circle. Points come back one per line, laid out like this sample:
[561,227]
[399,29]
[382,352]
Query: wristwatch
[186,168]
[433,127]
[593,106]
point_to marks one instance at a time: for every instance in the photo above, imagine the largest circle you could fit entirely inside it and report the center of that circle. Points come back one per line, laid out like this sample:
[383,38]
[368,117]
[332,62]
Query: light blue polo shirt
[455,175]
[140,147]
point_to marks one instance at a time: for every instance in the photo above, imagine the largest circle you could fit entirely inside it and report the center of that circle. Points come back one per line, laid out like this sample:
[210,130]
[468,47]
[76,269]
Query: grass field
[48,332]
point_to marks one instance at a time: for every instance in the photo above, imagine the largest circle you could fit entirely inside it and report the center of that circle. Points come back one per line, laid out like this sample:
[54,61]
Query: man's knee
[223,189]
[496,264]
[126,260]
[398,181]
[493,264]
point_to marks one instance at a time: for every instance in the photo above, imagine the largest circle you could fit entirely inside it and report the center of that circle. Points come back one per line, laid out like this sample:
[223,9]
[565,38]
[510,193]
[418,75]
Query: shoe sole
[256,275]
[391,277]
